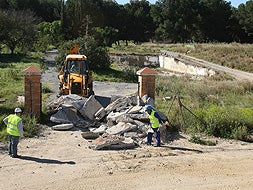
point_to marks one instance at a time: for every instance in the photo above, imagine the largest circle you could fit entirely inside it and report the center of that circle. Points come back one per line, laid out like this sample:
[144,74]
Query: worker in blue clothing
[155,122]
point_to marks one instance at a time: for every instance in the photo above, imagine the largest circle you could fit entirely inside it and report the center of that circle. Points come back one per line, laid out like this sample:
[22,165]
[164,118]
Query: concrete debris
[113,116]
[62,127]
[121,128]
[71,99]
[122,124]
[124,118]
[66,114]
[100,114]
[89,135]
[105,141]
[135,109]
[118,105]
[90,108]
[101,130]
[128,143]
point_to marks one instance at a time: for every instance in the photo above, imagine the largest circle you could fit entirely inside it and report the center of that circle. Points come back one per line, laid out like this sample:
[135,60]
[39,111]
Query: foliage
[217,109]
[245,17]
[17,29]
[139,21]
[47,10]
[198,140]
[30,125]
[97,55]
[106,36]
[49,34]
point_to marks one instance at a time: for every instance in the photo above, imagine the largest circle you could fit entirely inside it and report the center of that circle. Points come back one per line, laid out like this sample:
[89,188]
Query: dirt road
[62,160]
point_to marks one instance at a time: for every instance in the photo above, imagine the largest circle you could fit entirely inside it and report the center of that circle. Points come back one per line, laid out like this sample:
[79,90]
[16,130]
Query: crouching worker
[154,121]
[14,131]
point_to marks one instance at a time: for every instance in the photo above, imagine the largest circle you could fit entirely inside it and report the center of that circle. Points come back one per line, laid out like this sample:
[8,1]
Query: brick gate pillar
[32,77]
[146,80]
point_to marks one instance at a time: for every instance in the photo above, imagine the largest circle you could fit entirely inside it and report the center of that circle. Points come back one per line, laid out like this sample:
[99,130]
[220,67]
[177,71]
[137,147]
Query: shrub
[30,127]
[241,133]
[198,140]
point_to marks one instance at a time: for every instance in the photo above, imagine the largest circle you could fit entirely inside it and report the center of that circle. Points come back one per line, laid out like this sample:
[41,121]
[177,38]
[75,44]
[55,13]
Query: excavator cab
[75,76]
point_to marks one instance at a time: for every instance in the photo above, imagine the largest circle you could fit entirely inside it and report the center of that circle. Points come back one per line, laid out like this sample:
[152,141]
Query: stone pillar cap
[32,70]
[146,71]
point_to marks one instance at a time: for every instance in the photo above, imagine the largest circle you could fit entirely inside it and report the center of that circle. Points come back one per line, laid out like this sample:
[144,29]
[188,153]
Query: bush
[241,133]
[198,140]
[29,125]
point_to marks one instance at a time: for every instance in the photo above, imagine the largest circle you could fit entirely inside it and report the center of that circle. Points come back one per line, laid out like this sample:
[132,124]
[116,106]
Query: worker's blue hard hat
[148,107]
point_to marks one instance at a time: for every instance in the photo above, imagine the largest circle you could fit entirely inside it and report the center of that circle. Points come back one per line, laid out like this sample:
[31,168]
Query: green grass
[233,55]
[114,74]
[223,108]
[12,86]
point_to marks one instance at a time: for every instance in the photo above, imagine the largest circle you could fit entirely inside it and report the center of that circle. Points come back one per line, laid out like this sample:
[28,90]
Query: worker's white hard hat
[17,110]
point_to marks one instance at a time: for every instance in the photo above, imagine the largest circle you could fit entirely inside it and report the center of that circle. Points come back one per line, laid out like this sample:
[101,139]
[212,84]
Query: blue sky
[234,3]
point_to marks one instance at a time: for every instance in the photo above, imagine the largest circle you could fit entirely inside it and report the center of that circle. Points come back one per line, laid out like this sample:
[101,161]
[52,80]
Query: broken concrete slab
[63,127]
[100,114]
[135,109]
[89,135]
[90,107]
[113,116]
[105,141]
[140,117]
[131,135]
[71,99]
[121,128]
[128,143]
[117,104]
[115,97]
[101,130]
[142,127]
[66,114]
[125,119]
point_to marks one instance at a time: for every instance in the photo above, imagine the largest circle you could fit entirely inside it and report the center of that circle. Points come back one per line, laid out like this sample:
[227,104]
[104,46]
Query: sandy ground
[63,160]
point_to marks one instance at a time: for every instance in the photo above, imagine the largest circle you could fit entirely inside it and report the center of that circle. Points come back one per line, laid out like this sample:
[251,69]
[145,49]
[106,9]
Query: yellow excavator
[75,76]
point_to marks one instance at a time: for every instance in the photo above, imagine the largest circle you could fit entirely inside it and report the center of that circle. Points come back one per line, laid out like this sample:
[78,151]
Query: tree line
[29,24]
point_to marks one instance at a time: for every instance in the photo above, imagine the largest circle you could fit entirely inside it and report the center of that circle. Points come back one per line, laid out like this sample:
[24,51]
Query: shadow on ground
[46,161]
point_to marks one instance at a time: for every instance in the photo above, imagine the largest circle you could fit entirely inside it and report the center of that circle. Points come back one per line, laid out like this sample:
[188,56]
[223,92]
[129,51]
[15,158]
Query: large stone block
[121,128]
[90,108]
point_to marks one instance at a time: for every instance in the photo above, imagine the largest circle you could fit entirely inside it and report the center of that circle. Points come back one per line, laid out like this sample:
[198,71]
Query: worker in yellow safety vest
[14,131]
[155,122]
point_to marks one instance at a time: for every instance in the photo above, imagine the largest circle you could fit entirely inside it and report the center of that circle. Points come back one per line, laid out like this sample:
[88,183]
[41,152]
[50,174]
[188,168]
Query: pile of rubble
[121,124]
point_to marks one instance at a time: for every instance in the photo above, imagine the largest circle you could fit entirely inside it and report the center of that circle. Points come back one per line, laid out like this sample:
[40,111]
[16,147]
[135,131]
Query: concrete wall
[180,66]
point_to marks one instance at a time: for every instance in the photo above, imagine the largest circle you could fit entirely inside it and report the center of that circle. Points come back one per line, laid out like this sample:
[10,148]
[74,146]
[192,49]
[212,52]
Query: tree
[97,55]
[18,29]
[106,36]
[177,20]
[47,10]
[216,18]
[49,34]
[81,16]
[245,16]
[141,27]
